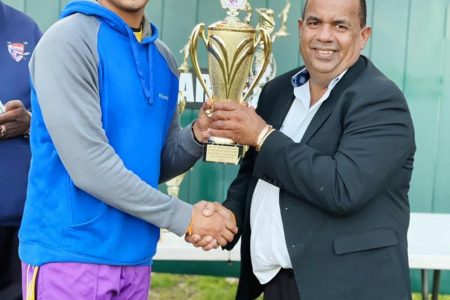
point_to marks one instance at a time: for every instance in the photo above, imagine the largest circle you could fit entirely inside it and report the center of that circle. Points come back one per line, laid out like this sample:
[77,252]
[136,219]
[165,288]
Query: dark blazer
[343,189]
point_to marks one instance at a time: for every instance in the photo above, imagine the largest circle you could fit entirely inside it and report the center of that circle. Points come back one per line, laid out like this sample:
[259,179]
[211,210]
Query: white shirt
[267,242]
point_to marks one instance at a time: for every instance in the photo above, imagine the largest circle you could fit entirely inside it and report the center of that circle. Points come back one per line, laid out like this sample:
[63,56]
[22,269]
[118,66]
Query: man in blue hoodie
[105,132]
[18,37]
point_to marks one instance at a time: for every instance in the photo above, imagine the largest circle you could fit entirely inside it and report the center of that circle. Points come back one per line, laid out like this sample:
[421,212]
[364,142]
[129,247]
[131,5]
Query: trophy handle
[263,37]
[199,31]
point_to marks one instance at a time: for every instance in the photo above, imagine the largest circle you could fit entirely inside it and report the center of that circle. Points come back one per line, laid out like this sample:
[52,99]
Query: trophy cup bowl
[230,45]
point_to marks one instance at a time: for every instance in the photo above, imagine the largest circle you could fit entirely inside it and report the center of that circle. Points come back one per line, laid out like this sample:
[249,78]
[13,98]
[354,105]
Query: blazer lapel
[320,117]
[327,107]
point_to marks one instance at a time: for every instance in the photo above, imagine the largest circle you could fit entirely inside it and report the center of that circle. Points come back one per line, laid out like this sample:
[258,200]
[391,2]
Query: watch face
[234,4]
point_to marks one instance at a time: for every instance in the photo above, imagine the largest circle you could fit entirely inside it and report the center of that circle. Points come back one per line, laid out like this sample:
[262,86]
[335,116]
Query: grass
[192,287]
[419,297]
[173,287]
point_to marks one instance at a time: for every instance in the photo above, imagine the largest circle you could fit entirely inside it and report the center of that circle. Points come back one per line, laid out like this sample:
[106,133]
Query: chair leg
[424,274]
[436,283]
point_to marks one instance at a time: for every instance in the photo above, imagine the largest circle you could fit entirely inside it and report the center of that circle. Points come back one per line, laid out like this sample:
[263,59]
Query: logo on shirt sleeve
[17,51]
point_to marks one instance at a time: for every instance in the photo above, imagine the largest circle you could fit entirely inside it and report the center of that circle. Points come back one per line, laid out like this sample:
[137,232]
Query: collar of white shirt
[302,91]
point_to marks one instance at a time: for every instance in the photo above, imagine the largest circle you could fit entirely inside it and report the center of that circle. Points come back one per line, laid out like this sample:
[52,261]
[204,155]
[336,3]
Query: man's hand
[203,122]
[15,121]
[209,242]
[238,122]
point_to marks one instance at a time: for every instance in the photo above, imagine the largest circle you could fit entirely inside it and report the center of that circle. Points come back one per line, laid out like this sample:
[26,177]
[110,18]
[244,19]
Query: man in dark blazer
[321,199]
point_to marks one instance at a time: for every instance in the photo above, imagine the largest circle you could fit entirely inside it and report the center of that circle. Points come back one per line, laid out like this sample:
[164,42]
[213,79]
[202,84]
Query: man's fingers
[227,105]
[227,235]
[222,115]
[206,108]
[208,104]
[230,218]
[197,241]
[13,104]
[5,118]
[209,209]
[9,130]
[205,135]
[210,246]
[193,239]
[222,242]
[205,241]
[229,125]
[222,133]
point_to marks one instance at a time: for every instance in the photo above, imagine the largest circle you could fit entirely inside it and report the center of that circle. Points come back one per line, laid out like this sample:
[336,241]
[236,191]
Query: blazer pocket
[368,240]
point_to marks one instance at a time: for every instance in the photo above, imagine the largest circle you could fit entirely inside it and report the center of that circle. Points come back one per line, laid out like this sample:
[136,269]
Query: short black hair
[362,12]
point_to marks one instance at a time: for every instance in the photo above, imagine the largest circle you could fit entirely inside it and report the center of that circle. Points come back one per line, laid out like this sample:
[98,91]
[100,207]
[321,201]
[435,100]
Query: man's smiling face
[331,37]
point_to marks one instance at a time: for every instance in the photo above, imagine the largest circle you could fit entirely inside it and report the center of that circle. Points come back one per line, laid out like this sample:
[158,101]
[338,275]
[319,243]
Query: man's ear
[366,33]
[300,25]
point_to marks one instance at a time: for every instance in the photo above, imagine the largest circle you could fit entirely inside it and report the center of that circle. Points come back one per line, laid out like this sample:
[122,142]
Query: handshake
[212,225]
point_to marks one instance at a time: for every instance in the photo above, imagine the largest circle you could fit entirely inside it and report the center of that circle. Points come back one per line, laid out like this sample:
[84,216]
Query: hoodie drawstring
[146,87]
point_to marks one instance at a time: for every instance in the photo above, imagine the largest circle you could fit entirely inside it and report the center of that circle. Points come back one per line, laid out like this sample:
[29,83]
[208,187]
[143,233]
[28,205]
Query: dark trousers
[10,267]
[282,287]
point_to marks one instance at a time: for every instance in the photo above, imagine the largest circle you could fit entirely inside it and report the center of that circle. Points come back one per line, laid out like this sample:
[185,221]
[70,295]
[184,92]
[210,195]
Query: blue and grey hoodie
[19,35]
[105,131]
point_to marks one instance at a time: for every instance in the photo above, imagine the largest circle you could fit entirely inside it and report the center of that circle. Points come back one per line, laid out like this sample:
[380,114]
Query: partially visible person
[105,131]
[19,35]
[321,199]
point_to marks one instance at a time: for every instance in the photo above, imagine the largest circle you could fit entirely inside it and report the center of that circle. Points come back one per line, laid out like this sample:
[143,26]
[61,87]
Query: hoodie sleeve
[181,151]
[64,72]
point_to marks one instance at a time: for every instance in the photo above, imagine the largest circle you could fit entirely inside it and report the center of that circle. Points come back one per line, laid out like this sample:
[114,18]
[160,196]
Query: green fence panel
[17,4]
[46,11]
[441,197]
[155,13]
[391,58]
[423,89]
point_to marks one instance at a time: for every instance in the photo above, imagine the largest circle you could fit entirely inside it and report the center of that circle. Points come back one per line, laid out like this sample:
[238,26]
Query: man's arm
[377,139]
[183,148]
[180,152]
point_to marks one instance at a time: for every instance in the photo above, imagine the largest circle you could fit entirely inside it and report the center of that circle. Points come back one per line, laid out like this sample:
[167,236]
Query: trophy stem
[232,18]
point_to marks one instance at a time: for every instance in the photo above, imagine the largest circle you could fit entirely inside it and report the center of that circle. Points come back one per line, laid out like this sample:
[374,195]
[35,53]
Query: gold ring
[3,130]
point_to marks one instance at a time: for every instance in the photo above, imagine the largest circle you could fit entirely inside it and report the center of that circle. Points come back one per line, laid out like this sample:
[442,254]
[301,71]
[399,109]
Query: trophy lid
[226,25]
[232,22]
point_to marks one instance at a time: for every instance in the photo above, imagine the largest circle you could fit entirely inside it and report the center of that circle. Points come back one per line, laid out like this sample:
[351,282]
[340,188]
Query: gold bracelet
[262,134]
[189,229]
[258,147]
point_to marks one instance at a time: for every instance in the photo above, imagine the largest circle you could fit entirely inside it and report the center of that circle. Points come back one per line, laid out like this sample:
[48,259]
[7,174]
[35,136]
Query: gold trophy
[231,47]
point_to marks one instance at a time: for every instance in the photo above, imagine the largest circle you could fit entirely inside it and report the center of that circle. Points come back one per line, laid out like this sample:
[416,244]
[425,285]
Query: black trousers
[10,266]
[282,287]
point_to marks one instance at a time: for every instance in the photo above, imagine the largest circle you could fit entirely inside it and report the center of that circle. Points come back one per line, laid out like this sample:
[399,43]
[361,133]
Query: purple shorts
[77,281]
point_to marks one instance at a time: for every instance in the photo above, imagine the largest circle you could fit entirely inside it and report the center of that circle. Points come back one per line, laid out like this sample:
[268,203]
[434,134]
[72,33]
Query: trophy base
[222,153]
